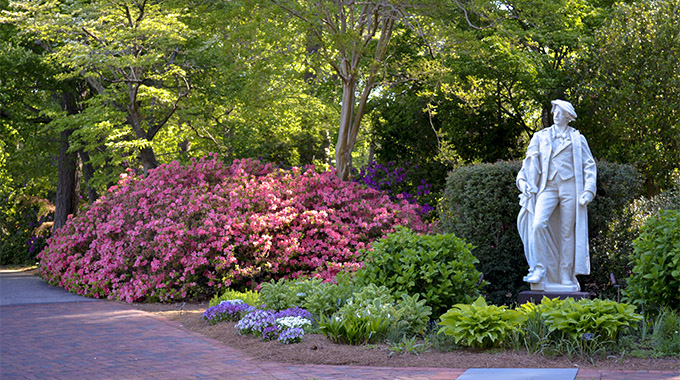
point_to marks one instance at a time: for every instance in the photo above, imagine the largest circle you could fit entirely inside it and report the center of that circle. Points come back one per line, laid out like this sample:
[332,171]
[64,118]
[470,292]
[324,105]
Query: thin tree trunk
[88,174]
[344,146]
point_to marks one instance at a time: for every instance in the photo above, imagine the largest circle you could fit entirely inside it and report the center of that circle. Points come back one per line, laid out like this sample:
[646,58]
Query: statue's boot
[565,276]
[536,276]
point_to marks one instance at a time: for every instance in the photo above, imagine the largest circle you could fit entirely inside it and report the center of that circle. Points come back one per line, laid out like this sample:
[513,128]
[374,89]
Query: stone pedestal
[536,296]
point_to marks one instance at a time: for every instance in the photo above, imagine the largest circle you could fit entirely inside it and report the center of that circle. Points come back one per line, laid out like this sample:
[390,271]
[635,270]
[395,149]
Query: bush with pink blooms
[183,232]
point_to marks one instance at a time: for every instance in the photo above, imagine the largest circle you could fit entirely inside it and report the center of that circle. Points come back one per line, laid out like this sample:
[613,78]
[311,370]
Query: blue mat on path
[519,374]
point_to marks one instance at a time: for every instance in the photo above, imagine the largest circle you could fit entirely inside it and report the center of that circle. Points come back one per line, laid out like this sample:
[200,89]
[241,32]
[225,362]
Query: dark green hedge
[480,205]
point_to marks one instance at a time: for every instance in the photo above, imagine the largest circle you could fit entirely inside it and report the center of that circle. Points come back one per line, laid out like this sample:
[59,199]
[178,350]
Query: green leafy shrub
[480,205]
[413,315]
[611,246]
[611,238]
[248,296]
[441,268]
[365,318]
[353,329]
[666,334]
[532,335]
[327,298]
[284,294]
[319,298]
[25,226]
[655,280]
[480,325]
[587,319]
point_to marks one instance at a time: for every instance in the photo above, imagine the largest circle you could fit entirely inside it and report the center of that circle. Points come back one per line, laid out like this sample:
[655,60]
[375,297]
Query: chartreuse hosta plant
[596,319]
[480,325]
[248,296]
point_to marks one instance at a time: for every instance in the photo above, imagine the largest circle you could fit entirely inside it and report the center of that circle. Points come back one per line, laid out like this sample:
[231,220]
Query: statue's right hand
[528,190]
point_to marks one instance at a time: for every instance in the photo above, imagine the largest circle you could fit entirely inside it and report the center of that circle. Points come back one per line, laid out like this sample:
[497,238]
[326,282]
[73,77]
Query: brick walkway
[105,340]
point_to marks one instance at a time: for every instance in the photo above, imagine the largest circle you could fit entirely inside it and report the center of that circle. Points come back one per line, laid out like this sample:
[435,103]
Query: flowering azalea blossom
[184,231]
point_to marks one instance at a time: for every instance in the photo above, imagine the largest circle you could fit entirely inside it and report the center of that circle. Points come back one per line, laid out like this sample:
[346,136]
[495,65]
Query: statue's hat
[565,106]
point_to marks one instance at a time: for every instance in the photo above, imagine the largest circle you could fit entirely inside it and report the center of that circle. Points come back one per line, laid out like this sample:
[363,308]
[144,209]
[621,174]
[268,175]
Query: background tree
[352,37]
[627,88]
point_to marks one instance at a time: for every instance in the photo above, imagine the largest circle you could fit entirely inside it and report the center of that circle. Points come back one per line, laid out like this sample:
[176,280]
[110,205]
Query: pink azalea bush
[186,231]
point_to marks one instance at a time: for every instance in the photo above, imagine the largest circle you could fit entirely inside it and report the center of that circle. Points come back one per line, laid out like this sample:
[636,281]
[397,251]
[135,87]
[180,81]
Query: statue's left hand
[586,198]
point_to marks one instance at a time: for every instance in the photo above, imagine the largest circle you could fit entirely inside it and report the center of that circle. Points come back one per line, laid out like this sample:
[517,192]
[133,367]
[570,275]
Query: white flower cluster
[293,322]
[232,302]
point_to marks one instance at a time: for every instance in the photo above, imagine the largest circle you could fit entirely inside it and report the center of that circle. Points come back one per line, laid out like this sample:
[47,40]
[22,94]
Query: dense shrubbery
[655,279]
[24,228]
[185,231]
[440,268]
[480,205]
[609,225]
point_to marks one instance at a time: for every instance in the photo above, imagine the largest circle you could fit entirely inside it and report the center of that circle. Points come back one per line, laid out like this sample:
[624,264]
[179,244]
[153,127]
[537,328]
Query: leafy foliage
[589,319]
[320,298]
[628,82]
[186,231]
[655,279]
[666,333]
[440,268]
[247,296]
[24,228]
[353,329]
[480,205]
[609,224]
[480,325]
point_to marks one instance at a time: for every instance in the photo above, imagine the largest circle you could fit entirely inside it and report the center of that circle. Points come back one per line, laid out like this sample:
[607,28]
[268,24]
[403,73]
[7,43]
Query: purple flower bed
[226,311]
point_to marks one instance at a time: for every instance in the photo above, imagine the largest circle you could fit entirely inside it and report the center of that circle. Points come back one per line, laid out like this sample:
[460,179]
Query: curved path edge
[75,338]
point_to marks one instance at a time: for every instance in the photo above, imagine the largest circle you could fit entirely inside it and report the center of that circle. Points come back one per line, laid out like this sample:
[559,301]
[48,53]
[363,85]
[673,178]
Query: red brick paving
[105,340]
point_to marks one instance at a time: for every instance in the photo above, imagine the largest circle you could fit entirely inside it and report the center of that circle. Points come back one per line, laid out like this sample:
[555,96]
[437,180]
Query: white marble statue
[557,181]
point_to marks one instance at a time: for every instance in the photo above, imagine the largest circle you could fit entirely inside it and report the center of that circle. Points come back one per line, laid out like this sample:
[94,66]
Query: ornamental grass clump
[185,232]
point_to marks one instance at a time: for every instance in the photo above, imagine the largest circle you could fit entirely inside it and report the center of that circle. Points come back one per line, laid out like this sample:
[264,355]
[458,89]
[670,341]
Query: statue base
[554,288]
[534,296]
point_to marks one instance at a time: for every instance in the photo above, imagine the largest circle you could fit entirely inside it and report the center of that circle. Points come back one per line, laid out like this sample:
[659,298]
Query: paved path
[62,336]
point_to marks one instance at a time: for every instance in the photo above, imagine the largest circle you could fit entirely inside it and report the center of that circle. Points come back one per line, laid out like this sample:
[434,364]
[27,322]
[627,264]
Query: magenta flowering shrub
[186,231]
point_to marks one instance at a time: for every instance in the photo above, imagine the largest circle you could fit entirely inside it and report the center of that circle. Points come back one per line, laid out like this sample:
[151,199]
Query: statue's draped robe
[534,172]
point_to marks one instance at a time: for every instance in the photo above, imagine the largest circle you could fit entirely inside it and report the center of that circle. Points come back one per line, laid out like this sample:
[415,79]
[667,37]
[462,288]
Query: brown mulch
[316,349]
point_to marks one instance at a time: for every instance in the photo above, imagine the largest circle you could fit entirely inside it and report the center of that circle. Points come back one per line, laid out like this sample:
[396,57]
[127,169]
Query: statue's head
[562,109]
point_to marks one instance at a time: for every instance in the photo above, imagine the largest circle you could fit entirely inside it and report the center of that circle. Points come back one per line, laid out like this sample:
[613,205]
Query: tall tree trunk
[148,158]
[66,200]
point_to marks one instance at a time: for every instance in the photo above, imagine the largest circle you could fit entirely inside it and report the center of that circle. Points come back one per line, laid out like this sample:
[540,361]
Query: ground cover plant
[186,231]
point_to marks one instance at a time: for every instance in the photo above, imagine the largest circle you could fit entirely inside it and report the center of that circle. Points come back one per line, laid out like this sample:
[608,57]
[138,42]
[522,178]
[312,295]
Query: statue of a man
[557,181]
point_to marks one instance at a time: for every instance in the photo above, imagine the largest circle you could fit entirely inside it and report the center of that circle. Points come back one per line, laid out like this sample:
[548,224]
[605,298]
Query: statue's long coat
[534,171]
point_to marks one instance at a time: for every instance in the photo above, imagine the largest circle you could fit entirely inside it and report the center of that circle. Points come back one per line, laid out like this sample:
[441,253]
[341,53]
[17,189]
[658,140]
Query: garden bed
[316,349]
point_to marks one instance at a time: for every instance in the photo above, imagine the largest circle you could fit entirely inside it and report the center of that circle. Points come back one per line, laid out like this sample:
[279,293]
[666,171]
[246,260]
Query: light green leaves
[480,325]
